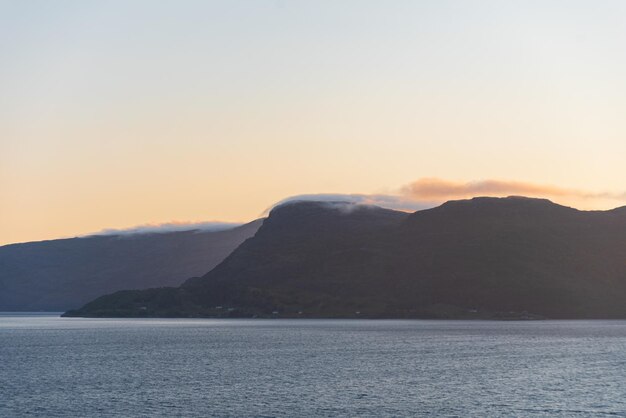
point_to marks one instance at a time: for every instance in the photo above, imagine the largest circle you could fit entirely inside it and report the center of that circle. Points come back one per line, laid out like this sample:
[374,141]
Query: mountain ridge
[60,274]
[476,258]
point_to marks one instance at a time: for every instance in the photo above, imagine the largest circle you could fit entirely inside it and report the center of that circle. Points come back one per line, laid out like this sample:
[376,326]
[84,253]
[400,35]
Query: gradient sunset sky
[121,113]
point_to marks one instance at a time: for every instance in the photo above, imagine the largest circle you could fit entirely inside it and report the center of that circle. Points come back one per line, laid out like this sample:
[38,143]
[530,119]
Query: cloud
[436,189]
[424,193]
[396,202]
[169,227]
[429,192]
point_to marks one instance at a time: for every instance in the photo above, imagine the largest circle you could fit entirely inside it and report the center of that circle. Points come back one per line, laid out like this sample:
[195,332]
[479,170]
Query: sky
[117,113]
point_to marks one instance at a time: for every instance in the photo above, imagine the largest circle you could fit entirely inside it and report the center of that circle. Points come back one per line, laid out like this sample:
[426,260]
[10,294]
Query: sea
[75,367]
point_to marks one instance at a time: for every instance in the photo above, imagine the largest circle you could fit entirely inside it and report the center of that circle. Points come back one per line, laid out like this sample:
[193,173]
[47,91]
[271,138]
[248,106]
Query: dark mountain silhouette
[481,258]
[61,274]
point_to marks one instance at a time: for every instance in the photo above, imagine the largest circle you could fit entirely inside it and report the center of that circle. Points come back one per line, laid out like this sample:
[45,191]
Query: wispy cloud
[397,202]
[439,190]
[169,227]
[429,192]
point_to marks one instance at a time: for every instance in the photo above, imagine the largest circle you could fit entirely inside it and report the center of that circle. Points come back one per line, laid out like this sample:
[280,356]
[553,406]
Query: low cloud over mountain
[436,189]
[428,192]
[169,227]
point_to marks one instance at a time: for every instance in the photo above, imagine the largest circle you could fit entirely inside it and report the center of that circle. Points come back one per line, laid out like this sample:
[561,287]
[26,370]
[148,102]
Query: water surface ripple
[53,367]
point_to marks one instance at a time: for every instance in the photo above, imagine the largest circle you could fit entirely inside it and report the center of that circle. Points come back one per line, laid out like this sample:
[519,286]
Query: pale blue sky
[116,113]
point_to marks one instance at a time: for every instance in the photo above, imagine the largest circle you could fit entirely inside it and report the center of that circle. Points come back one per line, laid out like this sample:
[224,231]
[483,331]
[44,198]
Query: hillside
[480,258]
[61,274]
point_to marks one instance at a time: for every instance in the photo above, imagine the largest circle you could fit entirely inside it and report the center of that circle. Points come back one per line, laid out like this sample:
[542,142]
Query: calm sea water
[52,366]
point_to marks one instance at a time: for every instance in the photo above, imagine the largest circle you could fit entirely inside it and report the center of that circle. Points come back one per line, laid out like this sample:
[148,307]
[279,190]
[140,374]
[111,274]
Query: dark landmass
[484,258]
[62,274]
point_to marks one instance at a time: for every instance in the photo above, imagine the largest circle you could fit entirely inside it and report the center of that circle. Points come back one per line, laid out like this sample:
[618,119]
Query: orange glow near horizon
[117,114]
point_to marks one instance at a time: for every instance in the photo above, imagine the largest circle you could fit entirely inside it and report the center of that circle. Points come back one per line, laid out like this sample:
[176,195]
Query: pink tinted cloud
[436,189]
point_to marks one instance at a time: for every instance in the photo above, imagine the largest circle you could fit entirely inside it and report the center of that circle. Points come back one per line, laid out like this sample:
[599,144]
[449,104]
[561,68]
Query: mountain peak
[480,258]
[509,204]
[504,201]
[316,205]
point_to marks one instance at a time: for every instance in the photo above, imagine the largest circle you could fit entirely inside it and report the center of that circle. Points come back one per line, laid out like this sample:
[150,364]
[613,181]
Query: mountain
[480,258]
[61,274]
